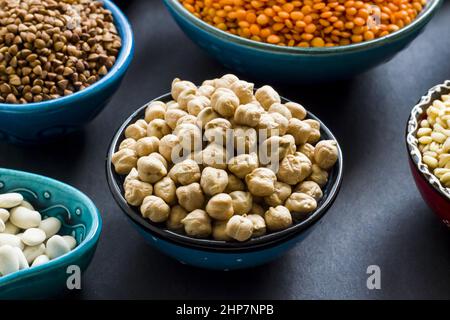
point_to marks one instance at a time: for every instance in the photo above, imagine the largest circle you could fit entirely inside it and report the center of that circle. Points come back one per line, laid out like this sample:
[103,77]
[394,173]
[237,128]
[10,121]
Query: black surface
[378,219]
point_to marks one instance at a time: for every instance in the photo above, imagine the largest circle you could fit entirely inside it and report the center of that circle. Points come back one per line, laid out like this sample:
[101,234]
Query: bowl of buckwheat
[60,64]
[428,144]
[224,175]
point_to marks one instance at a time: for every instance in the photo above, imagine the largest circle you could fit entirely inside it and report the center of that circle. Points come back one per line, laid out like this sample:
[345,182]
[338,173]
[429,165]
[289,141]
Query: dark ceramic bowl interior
[418,113]
[115,182]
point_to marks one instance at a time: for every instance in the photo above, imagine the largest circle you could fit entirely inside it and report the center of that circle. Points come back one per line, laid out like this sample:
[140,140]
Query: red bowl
[433,192]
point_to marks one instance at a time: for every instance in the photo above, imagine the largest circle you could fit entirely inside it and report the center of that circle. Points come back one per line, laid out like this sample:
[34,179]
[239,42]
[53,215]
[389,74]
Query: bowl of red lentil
[302,41]
[428,145]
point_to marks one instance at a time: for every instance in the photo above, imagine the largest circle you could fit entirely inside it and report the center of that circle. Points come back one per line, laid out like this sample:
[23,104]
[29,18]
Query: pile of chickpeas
[308,23]
[434,139]
[197,164]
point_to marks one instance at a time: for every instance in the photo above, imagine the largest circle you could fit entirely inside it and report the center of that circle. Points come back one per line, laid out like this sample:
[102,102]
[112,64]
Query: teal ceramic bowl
[39,122]
[294,64]
[80,218]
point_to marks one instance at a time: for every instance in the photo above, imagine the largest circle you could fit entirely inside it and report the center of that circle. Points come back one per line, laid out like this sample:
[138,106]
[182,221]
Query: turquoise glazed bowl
[213,254]
[294,64]
[37,122]
[80,218]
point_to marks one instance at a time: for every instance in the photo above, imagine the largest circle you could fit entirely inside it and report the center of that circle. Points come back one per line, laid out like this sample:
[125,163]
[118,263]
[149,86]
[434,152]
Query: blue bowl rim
[89,241]
[119,68]
[421,20]
[215,245]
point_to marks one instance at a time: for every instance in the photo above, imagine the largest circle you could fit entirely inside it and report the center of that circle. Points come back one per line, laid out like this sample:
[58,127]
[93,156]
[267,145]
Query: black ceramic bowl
[212,253]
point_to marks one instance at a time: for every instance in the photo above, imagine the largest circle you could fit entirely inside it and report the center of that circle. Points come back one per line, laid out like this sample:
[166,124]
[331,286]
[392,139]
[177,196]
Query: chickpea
[243,90]
[256,209]
[172,105]
[315,132]
[191,197]
[300,205]
[190,136]
[243,164]
[220,207]
[205,116]
[259,225]
[219,231]
[226,81]
[146,145]
[276,148]
[128,143]
[294,168]
[217,130]
[155,209]
[214,156]
[158,128]
[159,157]
[281,121]
[308,150]
[165,189]
[172,116]
[187,119]
[281,109]
[245,140]
[270,126]
[151,169]
[169,147]
[310,188]
[261,182]
[326,154]
[282,192]
[300,130]
[136,191]
[135,131]
[206,91]
[297,110]
[185,97]
[197,224]
[267,96]
[179,86]
[155,110]
[177,214]
[242,202]
[319,175]
[224,102]
[185,172]
[234,184]
[278,218]
[197,104]
[239,228]
[133,175]
[248,114]
[124,160]
[213,181]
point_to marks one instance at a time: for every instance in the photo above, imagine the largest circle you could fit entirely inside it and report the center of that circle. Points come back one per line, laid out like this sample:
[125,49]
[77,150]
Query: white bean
[4,215]
[71,241]
[2,226]
[31,253]
[50,226]
[11,240]
[23,263]
[10,228]
[9,262]
[40,260]
[56,247]
[33,237]
[10,200]
[25,218]
[27,205]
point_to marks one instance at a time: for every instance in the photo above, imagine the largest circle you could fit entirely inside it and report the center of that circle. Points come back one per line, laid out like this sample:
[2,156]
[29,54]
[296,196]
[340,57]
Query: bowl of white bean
[428,144]
[48,235]
[221,175]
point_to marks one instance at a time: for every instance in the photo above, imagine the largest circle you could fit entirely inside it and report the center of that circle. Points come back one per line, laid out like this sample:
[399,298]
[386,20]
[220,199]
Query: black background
[379,217]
